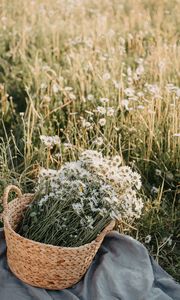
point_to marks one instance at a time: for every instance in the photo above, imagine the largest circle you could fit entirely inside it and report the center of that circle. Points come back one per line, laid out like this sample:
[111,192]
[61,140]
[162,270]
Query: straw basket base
[36,282]
[42,265]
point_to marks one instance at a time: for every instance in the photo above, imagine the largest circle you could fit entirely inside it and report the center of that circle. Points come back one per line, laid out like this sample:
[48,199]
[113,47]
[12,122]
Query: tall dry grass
[58,59]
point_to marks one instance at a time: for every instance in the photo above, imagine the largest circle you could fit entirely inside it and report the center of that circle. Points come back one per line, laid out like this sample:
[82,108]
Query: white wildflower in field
[176,134]
[106,76]
[86,124]
[104,100]
[90,97]
[153,89]
[68,145]
[158,172]
[101,110]
[110,111]
[125,104]
[50,141]
[102,121]
[129,92]
[154,190]
[68,89]
[55,88]
[117,84]
[148,239]
[43,86]
[140,70]
[167,240]
[99,141]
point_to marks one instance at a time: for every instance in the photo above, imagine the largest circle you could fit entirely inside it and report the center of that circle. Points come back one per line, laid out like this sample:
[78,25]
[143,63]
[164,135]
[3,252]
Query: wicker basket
[39,264]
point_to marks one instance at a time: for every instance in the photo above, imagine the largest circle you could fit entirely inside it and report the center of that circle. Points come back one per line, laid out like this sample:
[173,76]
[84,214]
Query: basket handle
[8,189]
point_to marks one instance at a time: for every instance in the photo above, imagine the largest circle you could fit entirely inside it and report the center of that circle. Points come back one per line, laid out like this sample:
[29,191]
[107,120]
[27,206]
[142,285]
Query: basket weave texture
[38,264]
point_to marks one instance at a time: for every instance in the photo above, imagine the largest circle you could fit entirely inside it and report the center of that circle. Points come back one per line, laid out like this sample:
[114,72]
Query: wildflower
[43,86]
[110,111]
[104,100]
[176,134]
[68,145]
[102,122]
[78,208]
[117,84]
[129,71]
[68,88]
[101,110]
[129,92]
[153,89]
[169,241]
[47,172]
[158,172]
[90,97]
[43,200]
[106,76]
[148,239]
[154,190]
[125,104]
[55,88]
[139,70]
[89,221]
[86,124]
[50,141]
[117,159]
[99,141]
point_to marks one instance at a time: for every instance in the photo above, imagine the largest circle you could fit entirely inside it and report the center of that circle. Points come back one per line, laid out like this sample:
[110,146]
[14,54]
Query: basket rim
[106,229]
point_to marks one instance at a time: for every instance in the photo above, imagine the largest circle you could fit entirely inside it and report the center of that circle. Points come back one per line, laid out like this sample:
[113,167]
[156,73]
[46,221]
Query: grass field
[102,75]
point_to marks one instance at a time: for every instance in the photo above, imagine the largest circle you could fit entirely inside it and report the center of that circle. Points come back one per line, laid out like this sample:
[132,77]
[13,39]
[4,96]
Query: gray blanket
[122,269]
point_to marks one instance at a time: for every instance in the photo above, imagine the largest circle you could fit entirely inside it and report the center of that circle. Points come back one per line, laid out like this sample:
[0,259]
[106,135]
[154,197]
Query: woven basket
[38,264]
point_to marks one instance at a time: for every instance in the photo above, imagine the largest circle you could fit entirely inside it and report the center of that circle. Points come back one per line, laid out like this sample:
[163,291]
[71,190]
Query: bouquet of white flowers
[74,204]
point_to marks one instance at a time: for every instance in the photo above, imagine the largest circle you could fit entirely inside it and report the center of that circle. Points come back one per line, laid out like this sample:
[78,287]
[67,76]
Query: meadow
[101,75]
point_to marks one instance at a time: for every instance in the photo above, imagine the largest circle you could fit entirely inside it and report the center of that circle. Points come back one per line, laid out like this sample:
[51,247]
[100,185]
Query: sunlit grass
[58,59]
